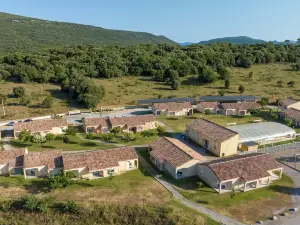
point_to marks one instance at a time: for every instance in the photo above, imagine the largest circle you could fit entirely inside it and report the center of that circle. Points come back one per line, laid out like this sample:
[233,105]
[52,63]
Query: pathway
[214,215]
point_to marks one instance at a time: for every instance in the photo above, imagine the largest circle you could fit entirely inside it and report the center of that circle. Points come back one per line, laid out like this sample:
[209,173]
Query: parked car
[28,120]
[11,123]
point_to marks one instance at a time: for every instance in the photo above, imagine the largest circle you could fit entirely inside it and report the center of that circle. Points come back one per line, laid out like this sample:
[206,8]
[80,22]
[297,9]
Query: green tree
[289,122]
[116,130]
[48,102]
[128,136]
[72,131]
[175,84]
[50,137]
[227,84]
[208,75]
[264,101]
[66,140]
[222,92]
[207,111]
[25,100]
[241,89]
[19,91]
[24,136]
[224,73]
[298,41]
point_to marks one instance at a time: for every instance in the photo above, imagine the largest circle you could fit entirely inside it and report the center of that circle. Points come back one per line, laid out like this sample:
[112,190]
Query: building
[293,115]
[101,163]
[263,132]
[11,162]
[41,127]
[229,99]
[134,123]
[42,164]
[163,100]
[172,109]
[239,108]
[289,103]
[219,140]
[95,125]
[241,173]
[213,107]
[174,157]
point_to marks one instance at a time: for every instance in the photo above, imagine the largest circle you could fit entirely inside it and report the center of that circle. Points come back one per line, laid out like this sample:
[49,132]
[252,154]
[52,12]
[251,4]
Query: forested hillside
[20,33]
[234,40]
[71,67]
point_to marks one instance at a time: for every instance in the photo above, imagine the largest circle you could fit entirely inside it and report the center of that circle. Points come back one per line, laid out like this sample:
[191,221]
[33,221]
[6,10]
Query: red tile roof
[14,157]
[287,102]
[173,151]
[132,120]
[100,159]
[210,105]
[292,114]
[212,130]
[50,158]
[96,122]
[248,167]
[241,105]
[40,125]
[172,106]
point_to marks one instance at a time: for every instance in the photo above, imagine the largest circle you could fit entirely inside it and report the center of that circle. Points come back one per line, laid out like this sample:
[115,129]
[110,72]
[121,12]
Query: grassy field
[126,90]
[75,144]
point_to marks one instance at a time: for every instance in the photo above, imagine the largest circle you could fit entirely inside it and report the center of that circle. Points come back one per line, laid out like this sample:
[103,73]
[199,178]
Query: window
[158,113]
[129,164]
[90,130]
[179,173]
[110,171]
[98,173]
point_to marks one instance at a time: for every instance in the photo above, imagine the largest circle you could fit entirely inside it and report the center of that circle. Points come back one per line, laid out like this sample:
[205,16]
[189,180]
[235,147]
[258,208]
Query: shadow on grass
[55,93]
[172,118]
[191,81]
[48,146]
[141,112]
[285,190]
[88,144]
[202,202]
[38,186]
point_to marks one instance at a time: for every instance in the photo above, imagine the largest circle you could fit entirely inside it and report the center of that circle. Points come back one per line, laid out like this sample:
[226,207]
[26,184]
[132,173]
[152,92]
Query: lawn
[247,207]
[126,90]
[75,144]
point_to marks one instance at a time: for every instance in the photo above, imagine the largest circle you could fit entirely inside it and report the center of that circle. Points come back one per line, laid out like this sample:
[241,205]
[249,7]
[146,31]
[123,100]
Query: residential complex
[172,109]
[12,161]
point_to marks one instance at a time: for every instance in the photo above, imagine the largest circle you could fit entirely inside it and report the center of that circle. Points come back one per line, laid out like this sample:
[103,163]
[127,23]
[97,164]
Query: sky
[179,20]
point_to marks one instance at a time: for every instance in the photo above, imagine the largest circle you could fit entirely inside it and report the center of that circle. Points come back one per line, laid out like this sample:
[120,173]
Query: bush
[69,206]
[25,100]
[116,130]
[208,75]
[128,136]
[48,102]
[19,91]
[24,136]
[72,131]
[254,112]
[66,139]
[279,83]
[264,101]
[222,92]
[227,84]
[289,122]
[175,85]
[38,139]
[241,89]
[161,129]
[50,137]
[61,181]
[251,74]
[45,204]
[89,136]
[291,83]
[6,205]
[207,111]
[106,137]
[30,202]
[147,133]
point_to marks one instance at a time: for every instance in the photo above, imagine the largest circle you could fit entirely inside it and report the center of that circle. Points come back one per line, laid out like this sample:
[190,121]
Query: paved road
[214,215]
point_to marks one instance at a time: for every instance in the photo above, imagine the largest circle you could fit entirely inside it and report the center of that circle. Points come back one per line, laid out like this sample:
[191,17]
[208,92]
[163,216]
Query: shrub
[89,136]
[233,193]
[254,112]
[50,137]
[116,130]
[45,204]
[291,83]
[69,206]
[72,131]
[175,85]
[106,137]
[128,136]
[251,74]
[147,133]
[38,139]
[279,83]
[24,136]
[222,92]
[48,102]
[241,89]
[66,139]
[207,111]
[227,84]
[25,100]
[30,202]
[208,75]
[61,181]
[289,122]
[19,91]
[6,205]
[161,129]
[264,101]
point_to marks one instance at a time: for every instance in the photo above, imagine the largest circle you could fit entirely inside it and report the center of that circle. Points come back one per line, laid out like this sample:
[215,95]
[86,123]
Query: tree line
[71,67]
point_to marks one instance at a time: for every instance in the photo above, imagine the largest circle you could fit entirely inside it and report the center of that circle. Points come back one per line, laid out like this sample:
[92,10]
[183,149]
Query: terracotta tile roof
[287,102]
[241,105]
[50,158]
[212,130]
[173,151]
[292,113]
[210,105]
[99,159]
[172,106]
[14,157]
[96,122]
[249,167]
[40,125]
[132,120]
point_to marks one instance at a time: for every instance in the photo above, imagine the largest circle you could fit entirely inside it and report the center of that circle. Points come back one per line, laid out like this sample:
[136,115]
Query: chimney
[26,150]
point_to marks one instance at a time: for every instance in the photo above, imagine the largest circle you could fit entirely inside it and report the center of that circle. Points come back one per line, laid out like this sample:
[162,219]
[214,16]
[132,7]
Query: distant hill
[186,43]
[234,40]
[19,33]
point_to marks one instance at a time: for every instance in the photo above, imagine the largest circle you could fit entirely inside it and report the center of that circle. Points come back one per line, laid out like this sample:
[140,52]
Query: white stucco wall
[4,169]
[208,176]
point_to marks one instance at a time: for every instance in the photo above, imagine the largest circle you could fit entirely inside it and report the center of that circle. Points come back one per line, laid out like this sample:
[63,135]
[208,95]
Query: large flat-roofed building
[241,173]
[220,140]
[263,132]
[172,109]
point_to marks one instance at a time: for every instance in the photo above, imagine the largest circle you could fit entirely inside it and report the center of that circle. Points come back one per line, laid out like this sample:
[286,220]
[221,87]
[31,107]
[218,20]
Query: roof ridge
[246,156]
[218,125]
[178,146]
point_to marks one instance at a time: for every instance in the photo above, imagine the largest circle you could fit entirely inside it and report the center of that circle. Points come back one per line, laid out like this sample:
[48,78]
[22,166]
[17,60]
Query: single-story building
[219,140]
[174,157]
[11,162]
[293,115]
[95,125]
[42,164]
[241,173]
[263,132]
[150,102]
[172,109]
[222,99]
[249,146]
[213,107]
[41,127]
[101,163]
[134,123]
[240,108]
[289,103]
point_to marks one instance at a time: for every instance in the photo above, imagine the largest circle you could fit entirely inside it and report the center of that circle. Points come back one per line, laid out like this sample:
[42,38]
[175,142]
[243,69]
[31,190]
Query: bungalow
[11,161]
[215,138]
[101,163]
[174,157]
[222,99]
[289,103]
[241,173]
[95,125]
[293,115]
[134,123]
[213,107]
[242,108]
[172,109]
[42,164]
[41,127]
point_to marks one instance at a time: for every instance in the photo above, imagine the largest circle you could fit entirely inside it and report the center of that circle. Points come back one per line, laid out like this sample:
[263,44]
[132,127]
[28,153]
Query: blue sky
[179,20]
